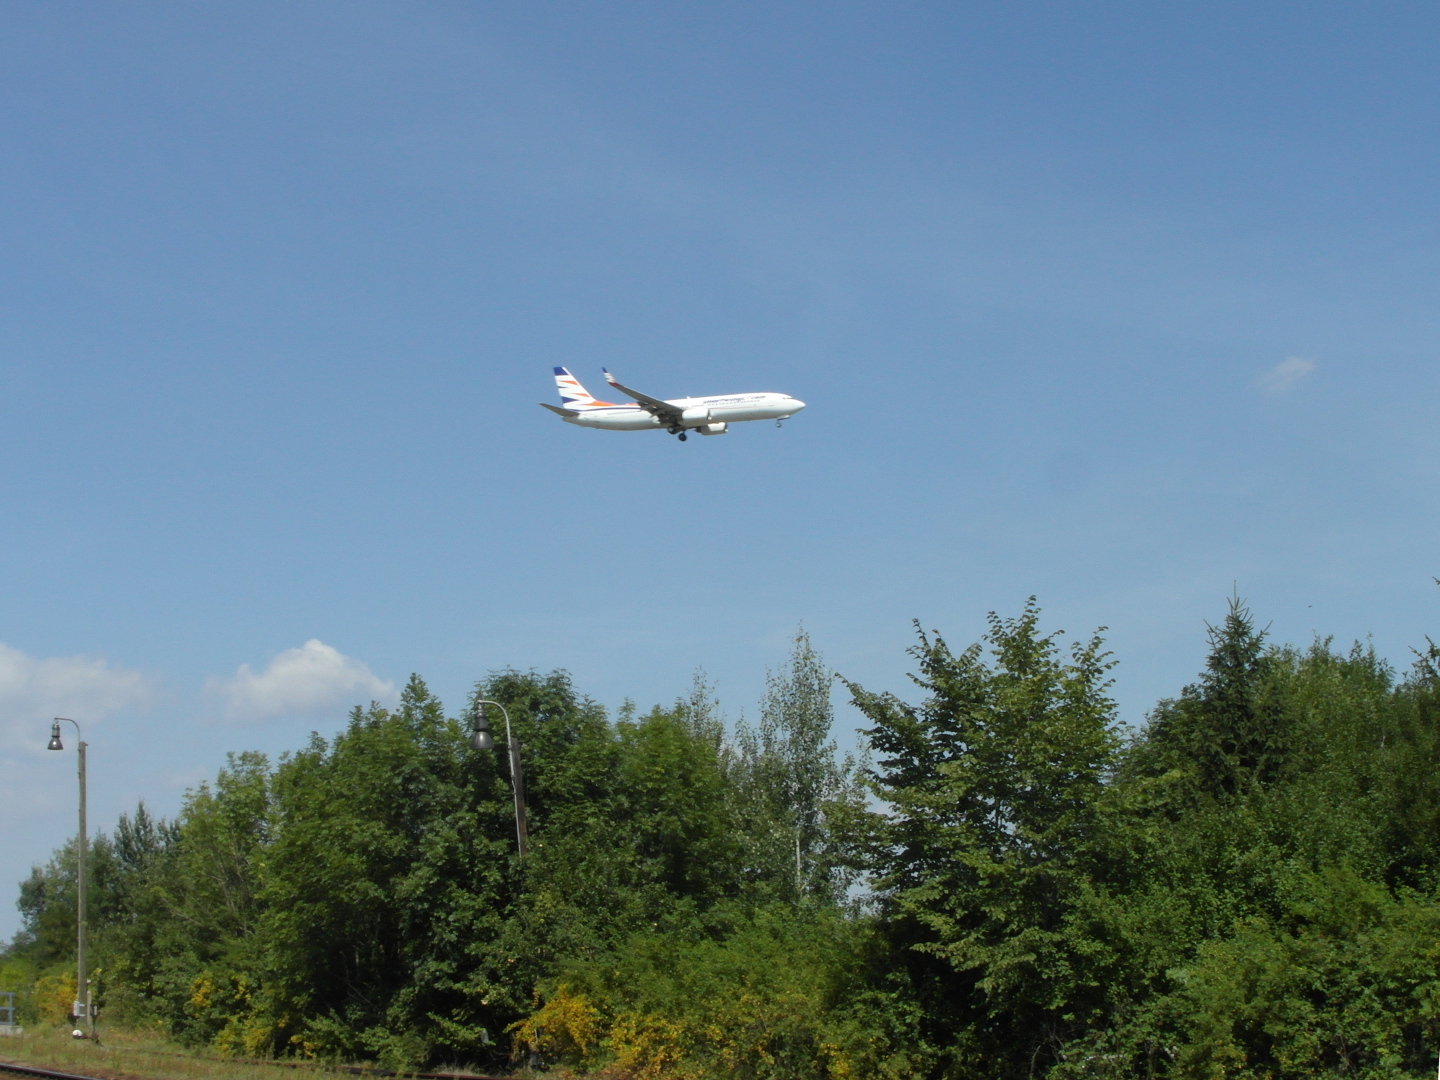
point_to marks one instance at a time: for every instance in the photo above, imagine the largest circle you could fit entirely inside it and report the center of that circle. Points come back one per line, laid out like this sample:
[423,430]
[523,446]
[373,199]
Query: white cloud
[85,688]
[1286,374]
[312,679]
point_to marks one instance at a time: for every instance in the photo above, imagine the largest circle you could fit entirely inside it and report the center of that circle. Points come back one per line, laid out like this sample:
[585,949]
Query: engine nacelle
[694,417]
[713,429]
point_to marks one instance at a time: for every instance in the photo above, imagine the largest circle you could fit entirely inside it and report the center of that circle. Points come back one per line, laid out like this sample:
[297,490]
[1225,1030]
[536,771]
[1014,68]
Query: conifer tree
[1227,732]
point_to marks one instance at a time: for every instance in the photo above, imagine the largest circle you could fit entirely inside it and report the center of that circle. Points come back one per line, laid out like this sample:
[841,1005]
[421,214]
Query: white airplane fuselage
[694,412]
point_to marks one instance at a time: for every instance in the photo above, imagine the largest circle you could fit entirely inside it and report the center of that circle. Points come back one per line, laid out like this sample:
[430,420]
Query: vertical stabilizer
[572,394]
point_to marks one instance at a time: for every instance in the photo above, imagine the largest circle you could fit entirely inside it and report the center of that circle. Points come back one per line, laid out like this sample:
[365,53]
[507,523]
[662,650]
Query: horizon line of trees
[1005,883]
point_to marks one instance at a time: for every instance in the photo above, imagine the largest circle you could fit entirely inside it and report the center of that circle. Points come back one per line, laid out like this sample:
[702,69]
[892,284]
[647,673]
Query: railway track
[43,1074]
[354,1070]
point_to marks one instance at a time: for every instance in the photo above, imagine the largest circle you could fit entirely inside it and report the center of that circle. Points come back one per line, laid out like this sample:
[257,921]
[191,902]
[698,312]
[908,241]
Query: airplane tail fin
[572,394]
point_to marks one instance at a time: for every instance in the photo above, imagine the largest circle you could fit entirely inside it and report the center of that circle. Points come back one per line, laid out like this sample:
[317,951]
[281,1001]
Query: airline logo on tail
[575,396]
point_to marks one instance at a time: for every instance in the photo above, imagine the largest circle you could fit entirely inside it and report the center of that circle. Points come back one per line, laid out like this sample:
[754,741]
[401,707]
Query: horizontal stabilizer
[558,410]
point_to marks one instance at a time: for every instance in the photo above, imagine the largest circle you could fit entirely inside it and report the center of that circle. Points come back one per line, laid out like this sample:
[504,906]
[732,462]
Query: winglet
[610,378]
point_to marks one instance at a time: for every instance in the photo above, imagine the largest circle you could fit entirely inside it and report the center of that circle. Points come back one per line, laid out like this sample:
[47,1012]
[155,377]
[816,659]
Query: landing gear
[681,436]
[779,423]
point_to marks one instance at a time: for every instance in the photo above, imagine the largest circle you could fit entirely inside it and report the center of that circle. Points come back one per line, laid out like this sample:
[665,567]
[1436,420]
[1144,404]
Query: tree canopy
[1002,881]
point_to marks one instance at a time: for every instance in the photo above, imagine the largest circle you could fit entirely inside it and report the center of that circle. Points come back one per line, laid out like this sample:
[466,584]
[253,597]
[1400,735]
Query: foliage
[52,995]
[769,992]
[1246,886]
[996,784]
[1346,982]
[798,802]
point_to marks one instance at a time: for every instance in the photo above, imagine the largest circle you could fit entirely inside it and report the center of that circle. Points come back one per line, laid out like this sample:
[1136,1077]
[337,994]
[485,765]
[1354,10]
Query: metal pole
[81,1007]
[517,780]
[82,989]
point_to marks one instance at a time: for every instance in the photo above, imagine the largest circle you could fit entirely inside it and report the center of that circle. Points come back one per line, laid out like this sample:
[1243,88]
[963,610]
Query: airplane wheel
[682,436]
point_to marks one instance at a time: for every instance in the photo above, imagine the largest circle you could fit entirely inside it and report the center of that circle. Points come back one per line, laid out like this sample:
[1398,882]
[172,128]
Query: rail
[354,1070]
[45,1074]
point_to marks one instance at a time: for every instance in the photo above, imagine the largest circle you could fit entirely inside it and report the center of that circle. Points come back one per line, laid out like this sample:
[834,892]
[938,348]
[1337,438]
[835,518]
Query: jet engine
[713,429]
[694,417]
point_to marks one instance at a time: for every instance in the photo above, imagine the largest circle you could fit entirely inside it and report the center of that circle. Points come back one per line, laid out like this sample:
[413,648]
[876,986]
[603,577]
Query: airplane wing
[661,409]
[557,410]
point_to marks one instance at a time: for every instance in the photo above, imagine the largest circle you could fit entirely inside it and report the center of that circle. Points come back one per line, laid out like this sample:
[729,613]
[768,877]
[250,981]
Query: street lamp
[81,1007]
[481,739]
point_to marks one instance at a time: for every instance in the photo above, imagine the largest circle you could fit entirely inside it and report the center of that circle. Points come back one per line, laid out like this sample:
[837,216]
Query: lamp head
[55,743]
[480,737]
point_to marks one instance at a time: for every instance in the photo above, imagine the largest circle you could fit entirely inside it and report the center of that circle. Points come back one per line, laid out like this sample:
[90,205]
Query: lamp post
[481,739]
[81,1007]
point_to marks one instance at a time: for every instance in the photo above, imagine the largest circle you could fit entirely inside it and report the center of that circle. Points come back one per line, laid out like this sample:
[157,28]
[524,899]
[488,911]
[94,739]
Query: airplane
[707,415]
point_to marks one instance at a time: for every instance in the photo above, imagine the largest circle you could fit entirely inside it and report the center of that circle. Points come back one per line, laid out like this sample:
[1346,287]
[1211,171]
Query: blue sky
[1123,305]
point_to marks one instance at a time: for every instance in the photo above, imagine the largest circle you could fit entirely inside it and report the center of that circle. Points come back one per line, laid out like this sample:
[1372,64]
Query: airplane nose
[796,404]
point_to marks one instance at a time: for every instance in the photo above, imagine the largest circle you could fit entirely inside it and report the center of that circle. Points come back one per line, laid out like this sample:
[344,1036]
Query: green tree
[797,800]
[391,855]
[1228,733]
[1410,783]
[631,829]
[1345,982]
[994,786]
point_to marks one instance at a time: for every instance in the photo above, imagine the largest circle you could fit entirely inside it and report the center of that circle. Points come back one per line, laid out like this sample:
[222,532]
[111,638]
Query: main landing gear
[677,431]
[681,436]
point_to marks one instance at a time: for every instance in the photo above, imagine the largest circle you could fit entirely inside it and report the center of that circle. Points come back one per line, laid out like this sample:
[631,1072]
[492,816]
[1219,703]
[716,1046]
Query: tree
[1343,983]
[700,711]
[994,784]
[392,856]
[1227,733]
[796,796]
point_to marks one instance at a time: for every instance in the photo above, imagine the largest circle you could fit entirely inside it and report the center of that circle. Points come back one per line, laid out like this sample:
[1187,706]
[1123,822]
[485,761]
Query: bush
[773,994]
[1348,983]
[54,996]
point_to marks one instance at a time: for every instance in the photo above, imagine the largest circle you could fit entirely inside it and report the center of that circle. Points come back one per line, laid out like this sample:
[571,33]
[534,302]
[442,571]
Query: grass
[138,1054]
